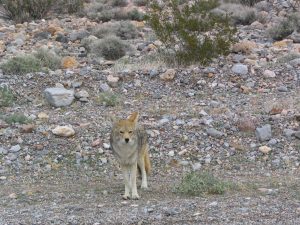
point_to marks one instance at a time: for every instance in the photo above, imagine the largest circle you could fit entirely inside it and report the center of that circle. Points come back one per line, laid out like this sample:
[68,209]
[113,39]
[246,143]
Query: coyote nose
[127,140]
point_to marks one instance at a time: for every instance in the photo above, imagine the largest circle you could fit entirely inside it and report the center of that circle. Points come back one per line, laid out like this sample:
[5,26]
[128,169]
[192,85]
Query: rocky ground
[237,118]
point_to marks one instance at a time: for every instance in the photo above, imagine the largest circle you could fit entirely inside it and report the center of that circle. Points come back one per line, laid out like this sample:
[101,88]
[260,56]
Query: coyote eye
[121,132]
[130,132]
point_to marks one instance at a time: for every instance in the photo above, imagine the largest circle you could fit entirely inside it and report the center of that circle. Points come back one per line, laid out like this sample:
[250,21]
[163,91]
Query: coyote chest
[126,154]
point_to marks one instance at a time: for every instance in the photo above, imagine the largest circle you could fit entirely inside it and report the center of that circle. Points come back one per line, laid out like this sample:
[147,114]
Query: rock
[297,134]
[82,94]
[96,142]
[112,81]
[61,38]
[3,124]
[104,87]
[171,153]
[153,73]
[295,36]
[15,148]
[3,151]
[69,62]
[196,166]
[264,133]
[43,116]
[63,131]
[240,69]
[168,75]
[76,84]
[11,156]
[272,142]
[78,35]
[264,149]
[288,133]
[42,35]
[13,196]
[282,89]
[269,74]
[59,96]
[106,146]
[214,133]
[295,62]
[27,128]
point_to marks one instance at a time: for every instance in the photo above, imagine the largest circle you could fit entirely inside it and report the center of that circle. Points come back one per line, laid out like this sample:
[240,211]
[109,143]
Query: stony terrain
[237,118]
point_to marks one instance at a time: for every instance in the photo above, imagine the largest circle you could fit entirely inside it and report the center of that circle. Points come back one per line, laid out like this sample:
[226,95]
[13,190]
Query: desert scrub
[120,3]
[21,65]
[111,48]
[240,14]
[48,58]
[249,2]
[24,10]
[198,184]
[6,96]
[281,30]
[16,118]
[124,29]
[190,31]
[108,99]
[140,2]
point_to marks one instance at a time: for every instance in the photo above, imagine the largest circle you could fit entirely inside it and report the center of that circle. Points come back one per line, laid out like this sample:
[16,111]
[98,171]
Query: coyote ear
[134,117]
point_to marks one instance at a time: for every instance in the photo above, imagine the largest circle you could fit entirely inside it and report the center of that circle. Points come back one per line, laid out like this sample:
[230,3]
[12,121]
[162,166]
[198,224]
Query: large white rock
[63,131]
[59,97]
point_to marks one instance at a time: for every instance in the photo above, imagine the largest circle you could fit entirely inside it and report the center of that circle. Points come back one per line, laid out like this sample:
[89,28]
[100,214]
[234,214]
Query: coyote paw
[144,187]
[135,197]
[125,197]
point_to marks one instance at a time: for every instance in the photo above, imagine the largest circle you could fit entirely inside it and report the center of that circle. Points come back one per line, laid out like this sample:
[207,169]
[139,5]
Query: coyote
[129,144]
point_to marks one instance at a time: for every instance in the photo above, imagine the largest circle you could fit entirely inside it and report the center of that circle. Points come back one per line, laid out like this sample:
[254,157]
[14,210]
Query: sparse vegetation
[240,14]
[281,30]
[124,29]
[21,65]
[194,34]
[249,2]
[140,2]
[108,99]
[111,48]
[16,118]
[120,3]
[6,96]
[24,10]
[198,184]
[48,58]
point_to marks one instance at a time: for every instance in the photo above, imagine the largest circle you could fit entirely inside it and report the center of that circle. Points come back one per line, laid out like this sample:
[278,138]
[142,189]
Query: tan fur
[129,144]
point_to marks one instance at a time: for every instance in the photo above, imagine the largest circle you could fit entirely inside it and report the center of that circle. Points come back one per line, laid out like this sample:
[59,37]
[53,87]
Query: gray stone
[153,73]
[179,122]
[3,151]
[288,133]
[240,69]
[104,87]
[59,96]
[295,36]
[78,35]
[15,148]
[295,62]
[264,133]
[214,133]
[272,142]
[297,134]
[76,84]
[11,156]
[82,94]
[282,89]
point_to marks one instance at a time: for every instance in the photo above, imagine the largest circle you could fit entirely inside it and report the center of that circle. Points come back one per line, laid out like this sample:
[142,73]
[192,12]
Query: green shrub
[281,30]
[126,30]
[21,65]
[295,20]
[6,96]
[240,14]
[111,48]
[198,184]
[24,10]
[106,29]
[135,14]
[48,58]
[120,3]
[108,99]
[249,2]
[72,6]
[141,2]
[192,32]
[16,118]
